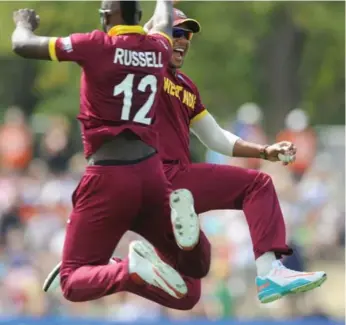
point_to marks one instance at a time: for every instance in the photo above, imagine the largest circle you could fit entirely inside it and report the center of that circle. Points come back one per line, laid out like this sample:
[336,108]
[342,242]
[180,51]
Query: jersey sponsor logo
[67,44]
[136,58]
[186,97]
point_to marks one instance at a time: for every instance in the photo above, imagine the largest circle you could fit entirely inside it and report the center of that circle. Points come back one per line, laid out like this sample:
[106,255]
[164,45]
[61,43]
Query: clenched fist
[26,18]
[284,151]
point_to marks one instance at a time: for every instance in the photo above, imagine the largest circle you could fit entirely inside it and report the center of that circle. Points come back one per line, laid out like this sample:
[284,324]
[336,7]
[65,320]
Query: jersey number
[126,87]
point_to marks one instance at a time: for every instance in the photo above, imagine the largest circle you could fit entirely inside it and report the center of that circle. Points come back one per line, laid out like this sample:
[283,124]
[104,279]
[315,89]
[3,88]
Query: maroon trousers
[221,187]
[108,202]
[214,187]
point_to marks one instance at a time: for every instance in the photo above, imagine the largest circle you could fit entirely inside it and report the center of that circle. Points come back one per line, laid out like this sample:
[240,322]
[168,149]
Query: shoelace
[281,270]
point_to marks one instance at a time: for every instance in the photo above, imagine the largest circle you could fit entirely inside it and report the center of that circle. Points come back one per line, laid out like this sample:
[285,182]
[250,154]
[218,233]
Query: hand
[26,18]
[284,149]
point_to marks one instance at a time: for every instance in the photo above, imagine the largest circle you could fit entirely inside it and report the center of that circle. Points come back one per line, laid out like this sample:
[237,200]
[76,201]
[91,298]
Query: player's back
[122,71]
[121,88]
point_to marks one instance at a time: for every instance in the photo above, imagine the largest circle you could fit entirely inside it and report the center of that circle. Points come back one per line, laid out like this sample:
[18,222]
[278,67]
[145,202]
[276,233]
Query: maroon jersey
[180,104]
[121,73]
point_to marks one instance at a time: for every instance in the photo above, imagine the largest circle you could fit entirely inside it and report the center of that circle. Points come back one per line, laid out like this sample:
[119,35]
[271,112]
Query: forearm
[244,149]
[28,45]
[162,20]
[215,138]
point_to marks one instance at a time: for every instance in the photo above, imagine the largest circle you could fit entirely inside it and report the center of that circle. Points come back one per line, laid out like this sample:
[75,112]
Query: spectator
[15,141]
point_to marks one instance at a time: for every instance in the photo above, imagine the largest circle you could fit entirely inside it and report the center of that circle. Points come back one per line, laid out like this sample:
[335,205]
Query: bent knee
[69,291]
[77,295]
[68,294]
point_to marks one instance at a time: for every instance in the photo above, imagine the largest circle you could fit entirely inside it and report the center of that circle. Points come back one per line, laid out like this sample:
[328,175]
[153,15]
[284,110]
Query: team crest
[67,44]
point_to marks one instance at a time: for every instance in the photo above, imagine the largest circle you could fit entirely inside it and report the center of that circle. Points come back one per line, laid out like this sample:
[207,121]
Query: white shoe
[146,265]
[52,281]
[184,219]
[282,281]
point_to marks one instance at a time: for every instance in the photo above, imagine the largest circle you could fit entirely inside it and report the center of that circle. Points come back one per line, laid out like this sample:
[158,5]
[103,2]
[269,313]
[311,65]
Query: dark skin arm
[246,149]
[24,42]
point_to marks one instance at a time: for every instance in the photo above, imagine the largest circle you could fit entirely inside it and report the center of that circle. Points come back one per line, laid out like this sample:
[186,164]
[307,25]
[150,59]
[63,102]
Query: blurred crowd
[41,164]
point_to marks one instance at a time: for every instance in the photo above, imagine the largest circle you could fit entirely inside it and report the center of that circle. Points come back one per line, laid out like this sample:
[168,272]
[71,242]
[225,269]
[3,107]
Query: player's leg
[103,213]
[143,290]
[194,258]
[94,228]
[185,245]
[161,297]
[147,291]
[220,187]
[155,226]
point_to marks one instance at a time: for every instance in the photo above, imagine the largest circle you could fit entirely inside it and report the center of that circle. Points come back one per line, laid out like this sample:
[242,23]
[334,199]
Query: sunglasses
[180,32]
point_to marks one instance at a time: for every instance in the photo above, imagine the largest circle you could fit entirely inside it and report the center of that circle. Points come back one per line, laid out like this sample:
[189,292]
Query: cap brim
[191,24]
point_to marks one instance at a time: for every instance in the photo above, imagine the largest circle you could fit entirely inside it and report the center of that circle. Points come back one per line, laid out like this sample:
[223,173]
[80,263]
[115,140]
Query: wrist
[263,154]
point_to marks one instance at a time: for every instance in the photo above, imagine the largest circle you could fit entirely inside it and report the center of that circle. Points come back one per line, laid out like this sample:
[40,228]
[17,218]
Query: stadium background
[266,70]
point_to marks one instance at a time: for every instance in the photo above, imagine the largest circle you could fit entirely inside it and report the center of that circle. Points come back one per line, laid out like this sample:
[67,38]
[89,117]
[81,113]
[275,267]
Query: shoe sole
[167,278]
[184,219]
[300,289]
[47,285]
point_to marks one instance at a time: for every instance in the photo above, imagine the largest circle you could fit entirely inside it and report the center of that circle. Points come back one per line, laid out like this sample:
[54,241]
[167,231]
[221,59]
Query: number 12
[126,87]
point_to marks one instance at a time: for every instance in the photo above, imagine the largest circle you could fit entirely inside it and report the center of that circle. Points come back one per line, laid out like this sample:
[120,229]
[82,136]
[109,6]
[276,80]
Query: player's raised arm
[162,20]
[24,42]
[78,47]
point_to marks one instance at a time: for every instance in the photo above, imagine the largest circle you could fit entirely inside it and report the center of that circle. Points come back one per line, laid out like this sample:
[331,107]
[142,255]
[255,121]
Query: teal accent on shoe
[270,291]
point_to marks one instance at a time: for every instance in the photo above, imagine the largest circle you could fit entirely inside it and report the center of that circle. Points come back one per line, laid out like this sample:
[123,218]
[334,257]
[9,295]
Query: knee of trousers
[70,296]
[67,289]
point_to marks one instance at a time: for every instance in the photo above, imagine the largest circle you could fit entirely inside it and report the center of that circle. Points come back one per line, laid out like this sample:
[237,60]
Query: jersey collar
[126,29]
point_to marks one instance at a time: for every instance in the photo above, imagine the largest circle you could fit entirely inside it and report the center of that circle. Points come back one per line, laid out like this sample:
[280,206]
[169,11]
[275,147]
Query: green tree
[280,55]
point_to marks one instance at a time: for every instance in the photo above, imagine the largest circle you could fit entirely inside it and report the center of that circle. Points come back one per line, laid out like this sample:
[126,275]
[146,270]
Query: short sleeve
[199,111]
[74,48]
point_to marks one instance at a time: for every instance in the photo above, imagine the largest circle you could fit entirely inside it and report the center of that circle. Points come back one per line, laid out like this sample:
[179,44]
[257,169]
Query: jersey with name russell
[121,75]
[180,105]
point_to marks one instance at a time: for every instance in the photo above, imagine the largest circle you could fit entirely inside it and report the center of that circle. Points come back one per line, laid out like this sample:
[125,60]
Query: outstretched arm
[215,138]
[162,20]
[77,47]
[24,42]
